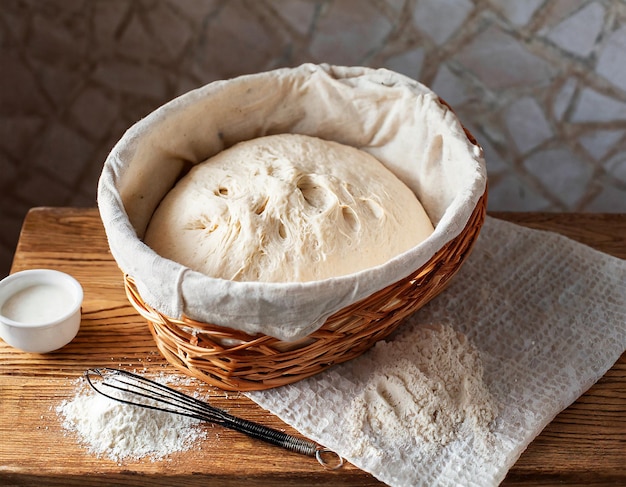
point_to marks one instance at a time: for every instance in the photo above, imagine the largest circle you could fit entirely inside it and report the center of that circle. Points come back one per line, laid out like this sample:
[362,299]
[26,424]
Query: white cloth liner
[396,119]
[548,316]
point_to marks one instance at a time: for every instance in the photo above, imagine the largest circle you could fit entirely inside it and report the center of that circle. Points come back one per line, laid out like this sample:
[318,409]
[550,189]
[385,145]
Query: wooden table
[584,445]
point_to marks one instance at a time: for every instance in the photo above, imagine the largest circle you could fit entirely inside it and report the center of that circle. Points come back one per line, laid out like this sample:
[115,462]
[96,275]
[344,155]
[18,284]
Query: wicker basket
[230,358]
[233,360]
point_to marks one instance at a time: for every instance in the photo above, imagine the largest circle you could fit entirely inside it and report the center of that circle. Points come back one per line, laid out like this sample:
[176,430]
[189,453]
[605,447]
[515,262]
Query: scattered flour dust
[427,391]
[119,431]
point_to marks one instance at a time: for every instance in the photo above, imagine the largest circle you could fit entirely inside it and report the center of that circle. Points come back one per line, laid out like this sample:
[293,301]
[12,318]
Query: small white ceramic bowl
[40,310]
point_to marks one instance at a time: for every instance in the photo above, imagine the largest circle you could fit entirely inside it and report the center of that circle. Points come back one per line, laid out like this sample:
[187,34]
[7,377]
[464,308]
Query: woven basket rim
[175,295]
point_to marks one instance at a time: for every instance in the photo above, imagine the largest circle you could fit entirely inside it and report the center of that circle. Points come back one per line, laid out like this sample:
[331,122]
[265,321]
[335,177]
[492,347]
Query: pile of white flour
[425,398]
[119,431]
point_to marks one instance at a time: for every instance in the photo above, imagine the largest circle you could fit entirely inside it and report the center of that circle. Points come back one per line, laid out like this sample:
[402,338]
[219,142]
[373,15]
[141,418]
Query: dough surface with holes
[287,208]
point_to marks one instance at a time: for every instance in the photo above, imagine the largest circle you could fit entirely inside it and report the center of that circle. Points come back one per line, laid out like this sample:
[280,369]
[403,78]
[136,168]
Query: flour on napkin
[421,388]
[543,315]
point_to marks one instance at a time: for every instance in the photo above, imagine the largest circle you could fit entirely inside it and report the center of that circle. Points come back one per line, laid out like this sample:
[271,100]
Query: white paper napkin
[547,316]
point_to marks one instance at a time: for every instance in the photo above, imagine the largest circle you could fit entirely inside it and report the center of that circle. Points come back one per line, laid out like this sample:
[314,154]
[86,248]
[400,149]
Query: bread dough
[287,208]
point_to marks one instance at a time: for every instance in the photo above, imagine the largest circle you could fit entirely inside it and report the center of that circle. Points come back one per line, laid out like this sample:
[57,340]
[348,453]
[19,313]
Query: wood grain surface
[584,445]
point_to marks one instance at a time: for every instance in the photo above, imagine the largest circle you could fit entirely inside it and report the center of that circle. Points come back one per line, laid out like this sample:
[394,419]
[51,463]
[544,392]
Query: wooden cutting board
[584,445]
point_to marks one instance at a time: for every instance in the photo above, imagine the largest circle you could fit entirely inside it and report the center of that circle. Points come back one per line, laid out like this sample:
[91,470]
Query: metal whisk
[127,387]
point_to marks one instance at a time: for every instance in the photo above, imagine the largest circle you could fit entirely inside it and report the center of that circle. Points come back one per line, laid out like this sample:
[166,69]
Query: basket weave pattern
[235,361]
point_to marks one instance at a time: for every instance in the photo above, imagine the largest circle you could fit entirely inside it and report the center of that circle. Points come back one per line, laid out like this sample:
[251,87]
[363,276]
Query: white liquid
[37,304]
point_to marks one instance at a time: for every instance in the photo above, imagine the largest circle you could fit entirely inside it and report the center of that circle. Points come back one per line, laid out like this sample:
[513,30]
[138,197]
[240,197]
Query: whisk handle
[284,440]
[270,435]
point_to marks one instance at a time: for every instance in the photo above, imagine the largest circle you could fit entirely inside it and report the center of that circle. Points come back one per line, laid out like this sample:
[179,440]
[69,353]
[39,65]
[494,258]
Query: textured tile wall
[541,83]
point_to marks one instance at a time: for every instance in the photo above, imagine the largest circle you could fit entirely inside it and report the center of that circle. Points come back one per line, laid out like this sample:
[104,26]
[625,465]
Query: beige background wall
[541,83]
